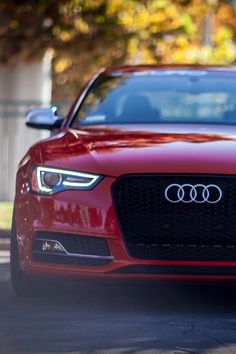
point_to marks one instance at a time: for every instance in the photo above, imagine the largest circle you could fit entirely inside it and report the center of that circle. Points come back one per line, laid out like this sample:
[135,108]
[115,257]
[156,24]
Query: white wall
[21,83]
[27,81]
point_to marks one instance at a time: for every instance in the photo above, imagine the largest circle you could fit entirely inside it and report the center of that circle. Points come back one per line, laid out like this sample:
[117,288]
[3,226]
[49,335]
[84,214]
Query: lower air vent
[60,248]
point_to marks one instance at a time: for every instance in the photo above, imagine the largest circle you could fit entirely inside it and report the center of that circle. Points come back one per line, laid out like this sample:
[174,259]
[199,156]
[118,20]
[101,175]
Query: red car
[138,182]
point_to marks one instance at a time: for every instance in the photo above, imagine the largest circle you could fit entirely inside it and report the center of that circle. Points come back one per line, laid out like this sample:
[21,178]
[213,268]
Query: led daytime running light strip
[40,170]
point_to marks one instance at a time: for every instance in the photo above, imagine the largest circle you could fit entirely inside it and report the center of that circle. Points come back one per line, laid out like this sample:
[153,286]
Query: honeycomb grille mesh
[154,228]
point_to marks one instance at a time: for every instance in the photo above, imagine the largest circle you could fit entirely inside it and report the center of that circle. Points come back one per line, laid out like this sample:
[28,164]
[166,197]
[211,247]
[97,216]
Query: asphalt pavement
[76,318]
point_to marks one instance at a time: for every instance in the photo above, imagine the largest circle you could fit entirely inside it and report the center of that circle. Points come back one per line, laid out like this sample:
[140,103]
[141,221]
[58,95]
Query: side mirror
[43,118]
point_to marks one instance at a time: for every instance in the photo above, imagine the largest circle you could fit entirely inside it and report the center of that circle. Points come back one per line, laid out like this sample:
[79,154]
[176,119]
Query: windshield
[161,96]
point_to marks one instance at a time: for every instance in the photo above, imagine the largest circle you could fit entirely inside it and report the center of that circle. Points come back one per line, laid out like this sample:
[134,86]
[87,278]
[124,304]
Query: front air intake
[62,248]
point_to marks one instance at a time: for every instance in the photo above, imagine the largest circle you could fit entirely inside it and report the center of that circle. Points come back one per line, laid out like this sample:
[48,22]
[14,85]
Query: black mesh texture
[88,245]
[56,259]
[154,228]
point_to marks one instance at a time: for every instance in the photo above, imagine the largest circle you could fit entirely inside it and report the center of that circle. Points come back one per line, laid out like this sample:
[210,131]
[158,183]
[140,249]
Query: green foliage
[6,209]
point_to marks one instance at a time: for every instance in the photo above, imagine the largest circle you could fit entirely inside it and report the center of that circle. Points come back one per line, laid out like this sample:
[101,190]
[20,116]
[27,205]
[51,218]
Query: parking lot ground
[73,318]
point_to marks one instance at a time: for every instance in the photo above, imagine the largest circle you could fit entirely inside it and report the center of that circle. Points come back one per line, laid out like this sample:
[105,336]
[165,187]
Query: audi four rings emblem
[198,193]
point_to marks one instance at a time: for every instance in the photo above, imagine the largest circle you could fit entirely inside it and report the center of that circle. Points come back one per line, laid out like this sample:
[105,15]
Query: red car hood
[162,148]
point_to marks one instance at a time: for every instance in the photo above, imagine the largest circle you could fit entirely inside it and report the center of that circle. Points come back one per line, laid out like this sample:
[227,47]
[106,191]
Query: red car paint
[113,151]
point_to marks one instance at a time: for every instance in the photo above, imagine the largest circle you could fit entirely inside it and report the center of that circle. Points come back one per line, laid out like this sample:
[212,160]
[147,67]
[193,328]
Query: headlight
[47,180]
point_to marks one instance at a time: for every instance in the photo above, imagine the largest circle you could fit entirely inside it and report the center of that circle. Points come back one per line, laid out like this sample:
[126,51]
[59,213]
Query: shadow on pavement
[120,318]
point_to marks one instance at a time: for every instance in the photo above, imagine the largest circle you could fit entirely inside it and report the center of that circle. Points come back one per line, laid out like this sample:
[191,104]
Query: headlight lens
[47,180]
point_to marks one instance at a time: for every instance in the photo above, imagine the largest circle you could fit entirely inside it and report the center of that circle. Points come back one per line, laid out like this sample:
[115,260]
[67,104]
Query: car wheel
[23,284]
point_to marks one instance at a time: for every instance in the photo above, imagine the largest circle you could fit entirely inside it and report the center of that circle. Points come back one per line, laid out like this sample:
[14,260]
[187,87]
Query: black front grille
[154,228]
[75,244]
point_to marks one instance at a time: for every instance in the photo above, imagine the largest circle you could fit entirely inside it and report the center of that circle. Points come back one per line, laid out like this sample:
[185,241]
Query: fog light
[52,246]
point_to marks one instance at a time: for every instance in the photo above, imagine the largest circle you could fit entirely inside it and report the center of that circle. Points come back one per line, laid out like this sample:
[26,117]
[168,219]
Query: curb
[5,233]
[4,245]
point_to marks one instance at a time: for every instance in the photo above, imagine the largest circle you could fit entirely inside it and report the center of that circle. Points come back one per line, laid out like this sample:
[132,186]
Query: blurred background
[49,48]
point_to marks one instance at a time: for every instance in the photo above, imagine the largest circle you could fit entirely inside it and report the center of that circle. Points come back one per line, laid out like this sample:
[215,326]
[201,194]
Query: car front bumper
[92,214]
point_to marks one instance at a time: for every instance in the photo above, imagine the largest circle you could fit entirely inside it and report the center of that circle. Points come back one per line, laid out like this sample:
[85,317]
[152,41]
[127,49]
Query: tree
[87,34]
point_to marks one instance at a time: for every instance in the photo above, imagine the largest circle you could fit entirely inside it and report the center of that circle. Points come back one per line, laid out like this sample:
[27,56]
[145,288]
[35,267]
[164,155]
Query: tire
[23,284]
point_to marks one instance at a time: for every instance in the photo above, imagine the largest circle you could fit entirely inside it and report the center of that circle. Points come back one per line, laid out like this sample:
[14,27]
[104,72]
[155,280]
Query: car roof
[141,67]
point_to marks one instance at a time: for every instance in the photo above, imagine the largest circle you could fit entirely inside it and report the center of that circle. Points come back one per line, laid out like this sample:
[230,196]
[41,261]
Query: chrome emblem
[198,193]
